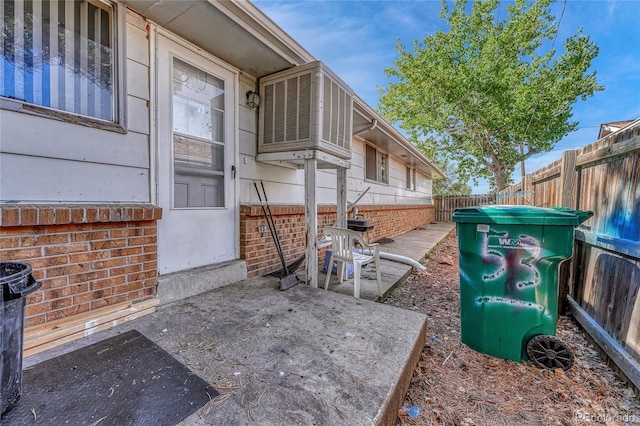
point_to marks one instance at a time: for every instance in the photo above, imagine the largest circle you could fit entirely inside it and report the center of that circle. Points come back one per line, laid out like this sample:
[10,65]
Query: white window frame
[119,123]
[382,165]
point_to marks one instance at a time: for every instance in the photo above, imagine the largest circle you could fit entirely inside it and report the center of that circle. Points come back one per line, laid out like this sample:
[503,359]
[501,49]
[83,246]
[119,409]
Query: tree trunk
[501,179]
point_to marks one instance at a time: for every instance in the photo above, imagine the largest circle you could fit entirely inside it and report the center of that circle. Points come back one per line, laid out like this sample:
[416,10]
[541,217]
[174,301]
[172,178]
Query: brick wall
[85,256]
[258,249]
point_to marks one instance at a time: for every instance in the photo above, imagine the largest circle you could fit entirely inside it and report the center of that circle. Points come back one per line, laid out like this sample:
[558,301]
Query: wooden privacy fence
[604,283]
[446,204]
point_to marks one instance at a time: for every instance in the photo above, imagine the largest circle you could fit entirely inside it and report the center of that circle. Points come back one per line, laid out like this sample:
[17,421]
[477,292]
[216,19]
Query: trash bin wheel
[549,352]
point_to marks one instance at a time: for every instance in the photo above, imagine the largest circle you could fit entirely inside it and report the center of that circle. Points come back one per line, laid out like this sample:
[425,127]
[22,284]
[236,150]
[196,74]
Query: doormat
[123,380]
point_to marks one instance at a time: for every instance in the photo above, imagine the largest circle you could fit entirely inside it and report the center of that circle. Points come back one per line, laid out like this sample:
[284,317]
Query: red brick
[20,254]
[35,297]
[68,312]
[142,258]
[9,242]
[108,244]
[111,300]
[126,288]
[67,270]
[63,215]
[46,307]
[126,232]
[130,269]
[66,249]
[108,282]
[150,248]
[129,251]
[150,266]
[65,291]
[92,296]
[47,262]
[89,236]
[28,215]
[35,320]
[87,276]
[10,216]
[140,241]
[141,276]
[109,263]
[78,215]
[46,215]
[91,214]
[103,214]
[44,239]
[55,282]
[88,256]
[150,230]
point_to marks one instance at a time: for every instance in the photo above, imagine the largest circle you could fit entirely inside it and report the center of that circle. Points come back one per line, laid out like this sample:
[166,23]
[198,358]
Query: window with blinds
[60,55]
[376,164]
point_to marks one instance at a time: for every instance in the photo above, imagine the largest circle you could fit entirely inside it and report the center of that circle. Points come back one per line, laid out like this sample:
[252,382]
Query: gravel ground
[455,385]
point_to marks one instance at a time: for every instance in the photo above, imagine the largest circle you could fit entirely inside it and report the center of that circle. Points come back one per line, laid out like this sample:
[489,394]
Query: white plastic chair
[343,253]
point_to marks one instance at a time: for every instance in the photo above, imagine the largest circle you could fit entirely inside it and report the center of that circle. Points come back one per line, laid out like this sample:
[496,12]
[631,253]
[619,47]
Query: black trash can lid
[15,275]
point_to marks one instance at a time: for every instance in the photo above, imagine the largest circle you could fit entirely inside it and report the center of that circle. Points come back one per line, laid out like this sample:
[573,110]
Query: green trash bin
[509,266]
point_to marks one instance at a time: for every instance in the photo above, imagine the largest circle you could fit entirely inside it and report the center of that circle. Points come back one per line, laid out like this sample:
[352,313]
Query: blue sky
[357,40]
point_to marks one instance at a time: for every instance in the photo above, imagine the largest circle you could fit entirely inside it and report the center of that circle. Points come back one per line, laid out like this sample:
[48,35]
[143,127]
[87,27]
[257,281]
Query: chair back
[341,241]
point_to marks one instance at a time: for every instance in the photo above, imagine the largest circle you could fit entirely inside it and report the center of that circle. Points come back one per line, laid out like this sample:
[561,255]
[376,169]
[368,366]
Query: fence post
[567,199]
[568,179]
[527,190]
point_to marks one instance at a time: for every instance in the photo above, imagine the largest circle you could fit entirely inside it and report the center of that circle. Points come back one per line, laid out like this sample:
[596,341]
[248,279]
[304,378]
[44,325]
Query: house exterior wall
[77,201]
[46,160]
[84,221]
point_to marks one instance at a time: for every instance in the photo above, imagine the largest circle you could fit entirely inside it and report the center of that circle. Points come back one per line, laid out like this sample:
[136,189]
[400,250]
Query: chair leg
[329,269]
[356,279]
[340,272]
[378,277]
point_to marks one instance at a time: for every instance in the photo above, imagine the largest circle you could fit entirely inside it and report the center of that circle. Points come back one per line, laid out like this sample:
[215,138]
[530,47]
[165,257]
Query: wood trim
[617,149]
[606,242]
[55,333]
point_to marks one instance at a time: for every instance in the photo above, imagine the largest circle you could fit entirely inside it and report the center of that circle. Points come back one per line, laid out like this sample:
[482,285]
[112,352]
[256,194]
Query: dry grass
[455,385]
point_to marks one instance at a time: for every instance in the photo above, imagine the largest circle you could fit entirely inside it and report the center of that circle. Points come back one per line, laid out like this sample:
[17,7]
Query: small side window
[376,164]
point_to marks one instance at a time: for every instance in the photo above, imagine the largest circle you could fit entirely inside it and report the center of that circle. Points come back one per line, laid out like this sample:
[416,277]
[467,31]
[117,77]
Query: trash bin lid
[520,215]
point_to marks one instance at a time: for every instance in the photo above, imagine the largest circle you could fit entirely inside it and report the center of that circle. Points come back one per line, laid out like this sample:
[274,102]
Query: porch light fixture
[253,99]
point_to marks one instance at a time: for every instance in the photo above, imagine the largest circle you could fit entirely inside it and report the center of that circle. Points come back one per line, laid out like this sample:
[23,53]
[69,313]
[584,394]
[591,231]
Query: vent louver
[306,107]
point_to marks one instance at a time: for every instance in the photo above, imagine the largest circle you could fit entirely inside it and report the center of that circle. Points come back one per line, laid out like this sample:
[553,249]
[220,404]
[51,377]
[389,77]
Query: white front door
[195,154]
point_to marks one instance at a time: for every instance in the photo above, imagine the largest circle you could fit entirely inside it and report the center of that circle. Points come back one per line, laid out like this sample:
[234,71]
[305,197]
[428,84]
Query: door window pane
[198,137]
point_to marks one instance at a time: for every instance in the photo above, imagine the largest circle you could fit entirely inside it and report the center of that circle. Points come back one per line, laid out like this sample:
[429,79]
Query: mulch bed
[455,385]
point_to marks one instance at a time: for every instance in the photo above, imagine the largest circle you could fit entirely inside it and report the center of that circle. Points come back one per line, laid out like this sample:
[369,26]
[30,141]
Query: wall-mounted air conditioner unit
[306,107]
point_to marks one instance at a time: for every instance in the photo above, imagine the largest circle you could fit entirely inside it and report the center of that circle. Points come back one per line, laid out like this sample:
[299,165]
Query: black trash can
[15,283]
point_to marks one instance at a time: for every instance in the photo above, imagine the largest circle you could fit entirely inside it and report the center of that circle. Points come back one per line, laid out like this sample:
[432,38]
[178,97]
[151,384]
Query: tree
[490,93]
[450,186]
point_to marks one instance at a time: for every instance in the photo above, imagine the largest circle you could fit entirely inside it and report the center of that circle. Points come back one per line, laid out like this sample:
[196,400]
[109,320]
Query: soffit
[235,31]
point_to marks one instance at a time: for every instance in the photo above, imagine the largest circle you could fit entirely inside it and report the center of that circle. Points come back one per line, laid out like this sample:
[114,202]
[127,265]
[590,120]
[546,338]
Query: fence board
[446,204]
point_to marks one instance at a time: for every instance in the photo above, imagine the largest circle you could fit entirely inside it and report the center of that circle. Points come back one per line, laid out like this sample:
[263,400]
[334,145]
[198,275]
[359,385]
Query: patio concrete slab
[300,356]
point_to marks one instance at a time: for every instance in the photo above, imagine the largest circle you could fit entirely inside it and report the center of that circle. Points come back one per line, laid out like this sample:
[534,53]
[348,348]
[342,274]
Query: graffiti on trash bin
[516,260]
